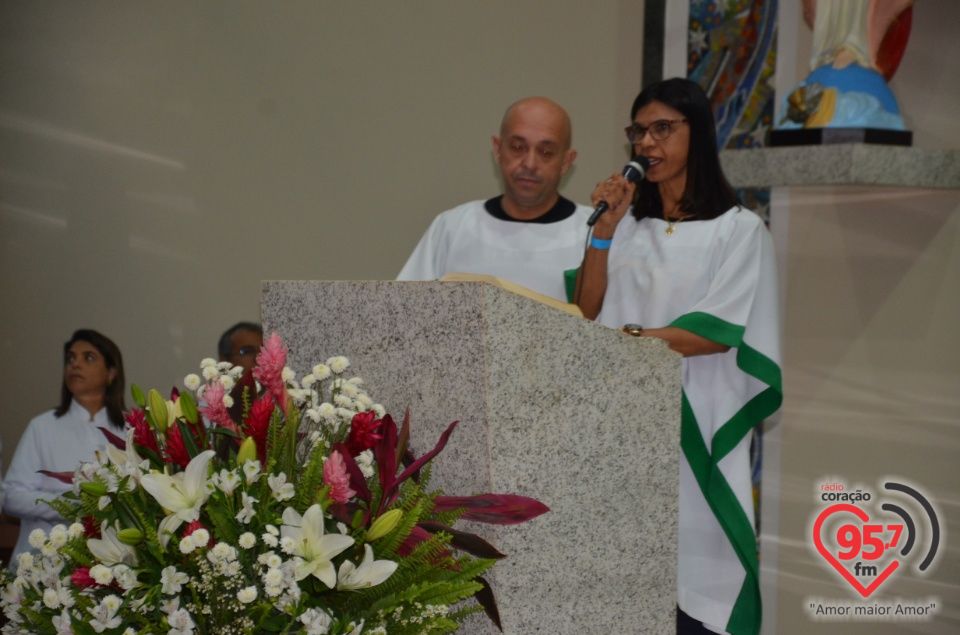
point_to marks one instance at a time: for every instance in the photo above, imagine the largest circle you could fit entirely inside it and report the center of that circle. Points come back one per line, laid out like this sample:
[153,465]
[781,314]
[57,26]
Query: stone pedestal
[577,415]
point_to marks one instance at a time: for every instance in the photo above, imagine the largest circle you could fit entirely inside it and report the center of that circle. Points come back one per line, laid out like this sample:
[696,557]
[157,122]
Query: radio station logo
[869,538]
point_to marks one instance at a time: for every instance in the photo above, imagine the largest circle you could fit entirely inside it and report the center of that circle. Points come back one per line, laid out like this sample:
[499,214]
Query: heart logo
[829,557]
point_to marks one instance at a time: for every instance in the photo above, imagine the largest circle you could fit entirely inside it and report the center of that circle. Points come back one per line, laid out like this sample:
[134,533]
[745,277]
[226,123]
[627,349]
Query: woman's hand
[618,194]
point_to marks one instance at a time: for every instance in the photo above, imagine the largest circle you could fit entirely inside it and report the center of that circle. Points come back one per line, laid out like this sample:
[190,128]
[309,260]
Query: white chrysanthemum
[66,597]
[247,595]
[101,574]
[237,372]
[200,538]
[208,361]
[312,414]
[58,536]
[365,463]
[273,577]
[364,400]
[76,529]
[273,560]
[224,366]
[37,538]
[380,410]
[343,401]
[321,372]
[228,401]
[287,374]
[51,599]
[338,364]
[227,382]
[192,381]
[349,389]
[223,552]
[287,545]
[269,540]
[186,545]
[308,380]
[210,372]
[247,540]
[48,550]
[327,411]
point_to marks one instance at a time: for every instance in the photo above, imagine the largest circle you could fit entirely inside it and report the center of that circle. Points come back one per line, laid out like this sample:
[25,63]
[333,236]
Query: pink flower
[214,409]
[81,578]
[363,432]
[269,370]
[335,475]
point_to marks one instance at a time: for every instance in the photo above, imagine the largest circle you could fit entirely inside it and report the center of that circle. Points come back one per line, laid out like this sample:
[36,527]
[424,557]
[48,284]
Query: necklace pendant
[669,229]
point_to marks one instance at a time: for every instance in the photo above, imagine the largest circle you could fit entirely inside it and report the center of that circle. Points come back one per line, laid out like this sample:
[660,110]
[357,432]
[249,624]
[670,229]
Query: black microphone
[634,173]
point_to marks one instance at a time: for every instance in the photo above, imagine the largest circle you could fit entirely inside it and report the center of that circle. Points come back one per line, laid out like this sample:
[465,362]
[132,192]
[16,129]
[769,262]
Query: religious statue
[857,46]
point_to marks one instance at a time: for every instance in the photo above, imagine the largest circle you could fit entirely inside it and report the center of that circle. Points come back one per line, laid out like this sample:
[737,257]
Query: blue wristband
[600,243]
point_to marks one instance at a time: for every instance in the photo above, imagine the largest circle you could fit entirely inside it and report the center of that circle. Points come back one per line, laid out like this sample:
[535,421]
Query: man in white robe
[530,235]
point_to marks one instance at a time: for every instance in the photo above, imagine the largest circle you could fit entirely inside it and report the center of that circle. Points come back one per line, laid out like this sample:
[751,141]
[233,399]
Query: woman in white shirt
[91,397]
[677,256]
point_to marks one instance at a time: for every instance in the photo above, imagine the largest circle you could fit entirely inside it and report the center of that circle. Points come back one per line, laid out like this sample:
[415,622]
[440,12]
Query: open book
[572,309]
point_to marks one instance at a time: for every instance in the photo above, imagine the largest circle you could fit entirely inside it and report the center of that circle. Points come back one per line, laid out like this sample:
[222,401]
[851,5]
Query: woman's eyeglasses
[659,130]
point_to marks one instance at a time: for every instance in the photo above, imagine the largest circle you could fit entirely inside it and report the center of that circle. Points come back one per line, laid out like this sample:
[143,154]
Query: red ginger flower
[176,450]
[142,434]
[269,369]
[335,475]
[257,425]
[363,432]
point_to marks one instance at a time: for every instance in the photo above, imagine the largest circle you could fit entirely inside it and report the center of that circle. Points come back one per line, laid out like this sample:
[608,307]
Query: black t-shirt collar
[562,210]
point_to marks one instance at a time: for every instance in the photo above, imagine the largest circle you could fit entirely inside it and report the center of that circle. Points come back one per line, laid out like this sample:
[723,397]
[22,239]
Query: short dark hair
[707,194]
[113,398]
[224,347]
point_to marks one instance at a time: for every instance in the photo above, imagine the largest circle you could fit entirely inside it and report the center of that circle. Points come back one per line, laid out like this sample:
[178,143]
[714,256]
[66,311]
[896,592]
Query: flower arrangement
[261,505]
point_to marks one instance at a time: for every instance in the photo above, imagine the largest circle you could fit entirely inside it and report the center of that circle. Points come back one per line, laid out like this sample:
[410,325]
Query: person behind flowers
[91,397]
[240,345]
[678,257]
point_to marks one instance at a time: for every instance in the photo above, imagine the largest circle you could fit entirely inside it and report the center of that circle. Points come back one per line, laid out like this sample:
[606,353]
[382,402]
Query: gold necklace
[671,223]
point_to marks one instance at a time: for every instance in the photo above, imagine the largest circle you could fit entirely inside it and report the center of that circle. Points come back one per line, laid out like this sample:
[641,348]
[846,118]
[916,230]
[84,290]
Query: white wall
[159,159]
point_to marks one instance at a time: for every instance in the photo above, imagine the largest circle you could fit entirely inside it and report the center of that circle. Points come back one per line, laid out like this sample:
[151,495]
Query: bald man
[530,234]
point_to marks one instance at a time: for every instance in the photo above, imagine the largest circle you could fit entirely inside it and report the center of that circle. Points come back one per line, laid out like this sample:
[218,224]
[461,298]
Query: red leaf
[114,439]
[63,477]
[423,460]
[488,602]
[465,541]
[358,482]
[496,509]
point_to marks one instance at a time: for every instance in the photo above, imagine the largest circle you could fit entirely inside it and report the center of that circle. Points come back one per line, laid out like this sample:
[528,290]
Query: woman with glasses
[91,397]
[676,258]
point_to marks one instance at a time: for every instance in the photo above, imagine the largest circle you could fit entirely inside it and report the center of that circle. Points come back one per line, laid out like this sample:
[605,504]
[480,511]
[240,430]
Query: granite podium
[553,406]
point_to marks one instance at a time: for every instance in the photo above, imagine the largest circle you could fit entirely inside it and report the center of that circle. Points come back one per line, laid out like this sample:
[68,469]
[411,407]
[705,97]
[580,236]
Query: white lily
[370,572]
[313,548]
[108,549]
[181,495]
